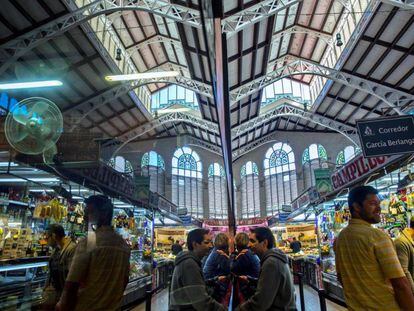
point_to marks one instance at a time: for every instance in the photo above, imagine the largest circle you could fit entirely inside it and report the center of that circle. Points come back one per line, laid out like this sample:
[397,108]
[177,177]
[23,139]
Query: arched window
[313,157]
[217,192]
[186,181]
[153,166]
[280,177]
[250,199]
[347,154]
[121,165]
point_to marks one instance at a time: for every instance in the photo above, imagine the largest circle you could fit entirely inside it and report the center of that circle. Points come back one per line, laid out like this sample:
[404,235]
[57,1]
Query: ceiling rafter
[289,110]
[298,66]
[253,14]
[17,47]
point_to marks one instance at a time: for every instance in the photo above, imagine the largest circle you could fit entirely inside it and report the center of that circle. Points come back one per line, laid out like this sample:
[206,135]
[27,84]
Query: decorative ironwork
[298,66]
[17,47]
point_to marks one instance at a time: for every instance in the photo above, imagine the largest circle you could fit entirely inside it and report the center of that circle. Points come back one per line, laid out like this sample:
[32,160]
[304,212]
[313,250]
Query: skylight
[286,88]
[173,95]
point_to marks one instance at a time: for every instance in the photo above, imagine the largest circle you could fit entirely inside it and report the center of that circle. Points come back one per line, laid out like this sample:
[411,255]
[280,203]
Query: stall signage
[323,180]
[283,217]
[240,222]
[301,201]
[106,177]
[186,219]
[165,205]
[357,169]
[387,136]
[142,187]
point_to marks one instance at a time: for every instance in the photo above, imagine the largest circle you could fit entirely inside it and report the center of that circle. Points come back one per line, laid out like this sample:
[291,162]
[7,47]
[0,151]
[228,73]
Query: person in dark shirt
[295,245]
[176,248]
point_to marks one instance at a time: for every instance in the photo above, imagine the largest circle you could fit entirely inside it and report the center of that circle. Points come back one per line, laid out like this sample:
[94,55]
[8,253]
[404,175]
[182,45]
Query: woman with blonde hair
[217,268]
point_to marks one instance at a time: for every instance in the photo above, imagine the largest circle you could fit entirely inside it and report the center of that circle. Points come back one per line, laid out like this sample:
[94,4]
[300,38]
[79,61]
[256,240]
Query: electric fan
[33,126]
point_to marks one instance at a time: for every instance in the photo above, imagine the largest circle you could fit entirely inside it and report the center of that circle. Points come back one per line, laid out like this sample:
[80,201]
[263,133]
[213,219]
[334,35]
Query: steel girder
[292,111]
[171,117]
[191,140]
[328,39]
[17,47]
[404,4]
[157,39]
[83,109]
[254,144]
[298,66]
[255,13]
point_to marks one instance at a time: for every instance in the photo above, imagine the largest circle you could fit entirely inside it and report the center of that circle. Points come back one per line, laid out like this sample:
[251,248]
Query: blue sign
[283,217]
[6,103]
[186,219]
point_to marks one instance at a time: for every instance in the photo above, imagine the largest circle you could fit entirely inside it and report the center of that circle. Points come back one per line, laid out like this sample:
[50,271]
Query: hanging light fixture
[118,56]
[339,40]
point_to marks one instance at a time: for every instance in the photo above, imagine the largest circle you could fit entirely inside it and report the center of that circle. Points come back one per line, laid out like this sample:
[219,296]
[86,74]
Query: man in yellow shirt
[366,262]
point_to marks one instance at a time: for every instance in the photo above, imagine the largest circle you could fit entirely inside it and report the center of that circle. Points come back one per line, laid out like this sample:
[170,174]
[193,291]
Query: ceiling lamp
[145,75]
[118,56]
[27,85]
[339,40]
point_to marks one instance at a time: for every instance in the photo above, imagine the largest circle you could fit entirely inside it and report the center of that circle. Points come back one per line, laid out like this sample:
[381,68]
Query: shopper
[245,263]
[275,290]
[295,245]
[176,248]
[188,289]
[59,263]
[366,262]
[404,245]
[217,268]
[99,271]
[246,266]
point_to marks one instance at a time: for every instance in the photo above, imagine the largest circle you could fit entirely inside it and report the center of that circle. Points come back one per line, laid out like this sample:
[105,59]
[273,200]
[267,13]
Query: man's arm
[404,254]
[267,287]
[195,290]
[403,293]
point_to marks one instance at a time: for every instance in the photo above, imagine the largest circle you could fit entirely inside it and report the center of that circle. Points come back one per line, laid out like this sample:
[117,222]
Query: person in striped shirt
[366,262]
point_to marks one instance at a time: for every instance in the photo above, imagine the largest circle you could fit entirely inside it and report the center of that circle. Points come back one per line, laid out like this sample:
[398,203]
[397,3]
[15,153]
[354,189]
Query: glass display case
[22,282]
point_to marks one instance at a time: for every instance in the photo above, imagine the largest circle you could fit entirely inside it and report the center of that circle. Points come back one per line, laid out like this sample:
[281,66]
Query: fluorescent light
[40,190]
[5,180]
[6,164]
[145,75]
[27,85]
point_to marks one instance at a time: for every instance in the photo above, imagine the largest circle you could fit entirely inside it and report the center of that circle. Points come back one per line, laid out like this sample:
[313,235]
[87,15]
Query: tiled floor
[160,302]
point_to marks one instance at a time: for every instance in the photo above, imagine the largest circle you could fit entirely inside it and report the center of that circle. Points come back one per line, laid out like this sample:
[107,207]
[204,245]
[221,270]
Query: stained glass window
[340,158]
[187,181]
[347,154]
[280,177]
[313,157]
[217,192]
[121,165]
[250,206]
[152,166]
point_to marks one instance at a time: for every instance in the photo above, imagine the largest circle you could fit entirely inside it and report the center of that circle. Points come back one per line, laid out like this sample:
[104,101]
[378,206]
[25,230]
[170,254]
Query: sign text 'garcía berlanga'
[387,136]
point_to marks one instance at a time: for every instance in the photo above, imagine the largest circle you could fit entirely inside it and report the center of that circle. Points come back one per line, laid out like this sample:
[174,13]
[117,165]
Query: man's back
[101,266]
[366,261]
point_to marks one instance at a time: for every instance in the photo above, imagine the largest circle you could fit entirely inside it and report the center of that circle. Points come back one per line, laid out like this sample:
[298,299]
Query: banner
[323,180]
[357,169]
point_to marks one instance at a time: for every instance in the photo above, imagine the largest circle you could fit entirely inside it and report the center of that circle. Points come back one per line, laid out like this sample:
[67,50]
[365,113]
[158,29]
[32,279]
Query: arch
[280,177]
[173,95]
[313,157]
[186,181]
[250,192]
[348,153]
[121,165]
[153,166]
[217,192]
